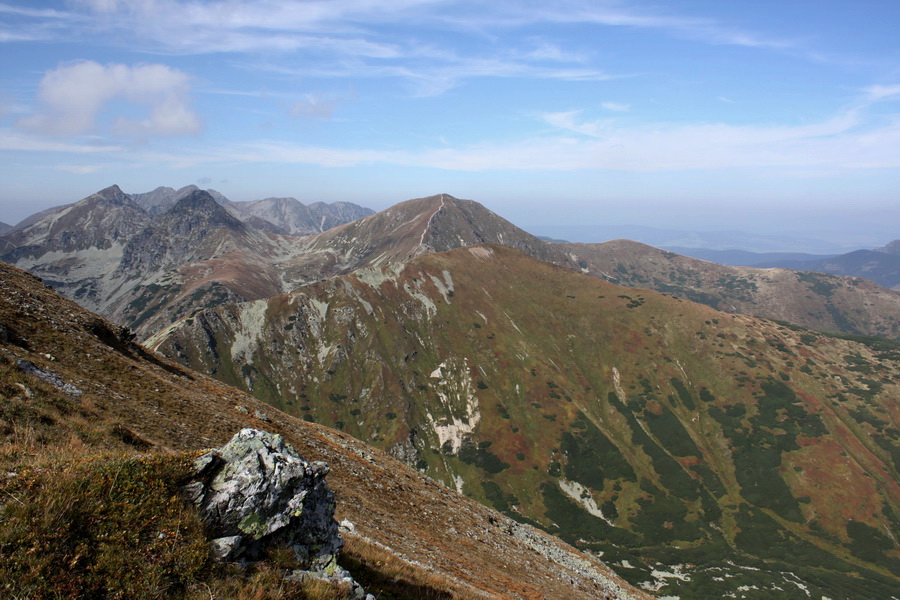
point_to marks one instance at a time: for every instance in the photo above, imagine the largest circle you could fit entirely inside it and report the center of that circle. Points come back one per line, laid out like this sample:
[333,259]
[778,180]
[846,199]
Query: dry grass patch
[389,577]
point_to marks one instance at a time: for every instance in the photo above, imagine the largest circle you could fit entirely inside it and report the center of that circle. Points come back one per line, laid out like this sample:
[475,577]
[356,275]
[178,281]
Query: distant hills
[144,260]
[676,239]
[816,300]
[881,265]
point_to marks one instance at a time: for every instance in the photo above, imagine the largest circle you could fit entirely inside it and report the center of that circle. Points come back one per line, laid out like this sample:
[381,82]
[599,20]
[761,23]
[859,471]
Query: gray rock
[49,377]
[257,492]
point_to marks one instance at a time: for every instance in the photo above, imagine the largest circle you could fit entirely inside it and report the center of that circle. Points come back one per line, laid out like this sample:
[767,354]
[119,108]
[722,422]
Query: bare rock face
[257,492]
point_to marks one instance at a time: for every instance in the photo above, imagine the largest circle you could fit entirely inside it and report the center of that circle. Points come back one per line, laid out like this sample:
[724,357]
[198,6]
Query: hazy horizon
[771,118]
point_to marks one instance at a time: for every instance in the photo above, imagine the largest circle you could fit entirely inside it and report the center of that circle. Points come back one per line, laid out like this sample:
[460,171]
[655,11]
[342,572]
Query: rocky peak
[112,194]
[199,207]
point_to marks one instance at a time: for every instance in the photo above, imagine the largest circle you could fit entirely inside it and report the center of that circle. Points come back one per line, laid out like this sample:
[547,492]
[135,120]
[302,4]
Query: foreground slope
[815,300]
[72,383]
[701,452]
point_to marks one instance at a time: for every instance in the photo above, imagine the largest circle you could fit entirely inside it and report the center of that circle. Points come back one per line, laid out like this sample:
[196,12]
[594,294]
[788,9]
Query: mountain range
[699,450]
[122,262]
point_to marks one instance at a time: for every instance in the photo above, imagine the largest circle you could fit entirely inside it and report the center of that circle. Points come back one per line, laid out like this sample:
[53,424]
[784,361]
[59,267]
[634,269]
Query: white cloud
[74,95]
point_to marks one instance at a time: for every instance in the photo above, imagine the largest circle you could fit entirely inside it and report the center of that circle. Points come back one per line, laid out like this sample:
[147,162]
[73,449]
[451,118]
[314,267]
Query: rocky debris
[49,377]
[554,552]
[256,492]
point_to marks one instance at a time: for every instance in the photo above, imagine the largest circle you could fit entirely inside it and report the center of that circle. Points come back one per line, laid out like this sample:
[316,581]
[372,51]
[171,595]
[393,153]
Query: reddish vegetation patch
[655,407]
[249,279]
[688,461]
[837,485]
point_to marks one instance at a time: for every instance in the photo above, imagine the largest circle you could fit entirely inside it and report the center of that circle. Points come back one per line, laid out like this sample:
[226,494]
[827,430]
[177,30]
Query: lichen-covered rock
[256,492]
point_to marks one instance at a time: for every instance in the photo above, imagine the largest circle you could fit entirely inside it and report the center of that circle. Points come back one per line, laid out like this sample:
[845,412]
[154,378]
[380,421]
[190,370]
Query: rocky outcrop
[256,492]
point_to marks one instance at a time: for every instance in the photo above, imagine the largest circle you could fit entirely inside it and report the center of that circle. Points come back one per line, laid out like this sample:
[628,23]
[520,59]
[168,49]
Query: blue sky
[763,116]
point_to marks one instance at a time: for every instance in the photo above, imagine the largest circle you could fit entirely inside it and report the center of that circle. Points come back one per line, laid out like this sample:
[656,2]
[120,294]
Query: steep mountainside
[815,300]
[703,453]
[76,248]
[74,385]
[289,216]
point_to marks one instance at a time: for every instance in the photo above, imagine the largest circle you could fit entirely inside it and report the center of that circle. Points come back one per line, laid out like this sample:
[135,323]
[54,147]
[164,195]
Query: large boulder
[256,492]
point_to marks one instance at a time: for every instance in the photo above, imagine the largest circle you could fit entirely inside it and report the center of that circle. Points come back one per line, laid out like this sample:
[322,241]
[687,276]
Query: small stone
[348,526]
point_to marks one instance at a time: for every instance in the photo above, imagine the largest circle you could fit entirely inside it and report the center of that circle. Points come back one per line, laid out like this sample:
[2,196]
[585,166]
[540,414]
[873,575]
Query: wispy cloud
[18,141]
[348,36]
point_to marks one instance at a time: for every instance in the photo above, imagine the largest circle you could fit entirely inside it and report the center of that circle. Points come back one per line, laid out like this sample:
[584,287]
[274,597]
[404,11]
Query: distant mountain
[409,229]
[77,394]
[673,438]
[145,259]
[290,216]
[162,199]
[816,300]
[890,248]
[670,239]
[30,220]
[881,265]
[742,258]
[4,227]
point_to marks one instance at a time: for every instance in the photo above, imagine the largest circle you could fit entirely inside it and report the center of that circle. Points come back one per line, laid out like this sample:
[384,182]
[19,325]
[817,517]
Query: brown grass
[389,576]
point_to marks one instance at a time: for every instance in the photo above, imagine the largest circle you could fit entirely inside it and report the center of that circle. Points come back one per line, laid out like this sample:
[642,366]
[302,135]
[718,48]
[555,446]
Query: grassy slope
[701,437]
[89,480]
